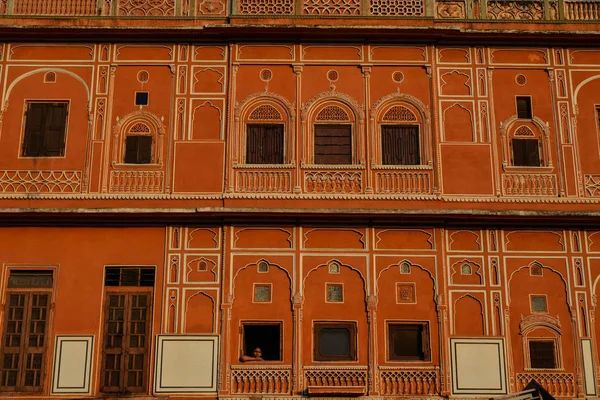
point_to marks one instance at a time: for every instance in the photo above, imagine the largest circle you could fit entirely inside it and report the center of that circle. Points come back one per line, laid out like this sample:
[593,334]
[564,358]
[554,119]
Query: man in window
[256,356]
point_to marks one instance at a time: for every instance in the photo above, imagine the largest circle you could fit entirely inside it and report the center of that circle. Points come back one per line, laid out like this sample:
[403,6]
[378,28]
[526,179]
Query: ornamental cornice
[539,320]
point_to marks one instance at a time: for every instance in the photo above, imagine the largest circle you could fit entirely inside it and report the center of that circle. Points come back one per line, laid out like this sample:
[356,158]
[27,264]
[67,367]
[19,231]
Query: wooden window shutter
[526,152]
[264,144]
[54,128]
[400,145]
[144,149]
[542,354]
[33,141]
[333,144]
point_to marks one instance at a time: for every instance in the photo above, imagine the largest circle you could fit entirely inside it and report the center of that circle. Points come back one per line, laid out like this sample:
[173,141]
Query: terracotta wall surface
[202,97]
[463,283]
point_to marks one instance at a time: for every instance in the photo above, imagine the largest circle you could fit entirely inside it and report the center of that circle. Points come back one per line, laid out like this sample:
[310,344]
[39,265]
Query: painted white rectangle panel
[186,364]
[478,366]
[72,364]
[588,366]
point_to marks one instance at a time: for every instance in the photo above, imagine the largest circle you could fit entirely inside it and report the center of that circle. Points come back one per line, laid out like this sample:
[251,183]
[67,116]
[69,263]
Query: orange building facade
[390,198]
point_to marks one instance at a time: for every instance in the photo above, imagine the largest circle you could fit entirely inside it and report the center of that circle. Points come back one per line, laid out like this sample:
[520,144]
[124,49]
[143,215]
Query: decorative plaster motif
[265,112]
[333,182]
[529,10]
[592,185]
[134,181]
[50,7]
[558,384]
[331,7]
[40,181]
[260,380]
[332,113]
[401,114]
[404,382]
[333,377]
[404,8]
[210,7]
[268,7]
[158,8]
[450,9]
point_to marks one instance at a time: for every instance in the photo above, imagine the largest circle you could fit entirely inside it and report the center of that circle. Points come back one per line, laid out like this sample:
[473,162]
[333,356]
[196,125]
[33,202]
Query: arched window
[526,147]
[265,131]
[138,144]
[333,143]
[400,136]
[138,139]
[402,125]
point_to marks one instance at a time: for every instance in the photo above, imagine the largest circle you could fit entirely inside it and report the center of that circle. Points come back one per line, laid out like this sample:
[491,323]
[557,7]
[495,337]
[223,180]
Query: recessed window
[265,336]
[542,354]
[45,126]
[334,268]
[129,276]
[408,342]
[526,152]
[335,341]
[535,270]
[262,293]
[466,269]
[406,293]
[524,108]
[138,149]
[333,144]
[539,304]
[263,267]
[405,268]
[264,144]
[25,331]
[335,293]
[142,98]
[400,145]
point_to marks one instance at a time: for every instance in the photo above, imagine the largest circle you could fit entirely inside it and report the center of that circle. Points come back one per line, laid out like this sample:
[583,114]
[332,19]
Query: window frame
[557,356]
[540,152]
[25,136]
[530,107]
[122,288]
[138,162]
[283,144]
[29,292]
[425,341]
[319,326]
[352,154]
[274,322]
[420,150]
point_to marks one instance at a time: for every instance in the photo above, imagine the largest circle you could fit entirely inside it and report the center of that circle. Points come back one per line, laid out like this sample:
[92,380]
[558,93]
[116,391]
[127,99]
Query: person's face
[257,352]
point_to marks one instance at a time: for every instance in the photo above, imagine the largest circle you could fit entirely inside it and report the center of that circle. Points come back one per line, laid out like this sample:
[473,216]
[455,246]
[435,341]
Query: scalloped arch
[392,99]
[309,107]
[250,101]
[255,264]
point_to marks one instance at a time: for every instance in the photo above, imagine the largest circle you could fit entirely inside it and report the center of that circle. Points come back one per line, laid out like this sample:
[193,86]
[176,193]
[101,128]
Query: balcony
[507,10]
[261,379]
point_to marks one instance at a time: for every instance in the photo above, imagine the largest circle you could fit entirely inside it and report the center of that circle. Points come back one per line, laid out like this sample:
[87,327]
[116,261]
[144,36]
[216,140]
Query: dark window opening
[265,336]
[45,125]
[30,279]
[526,152]
[142,98]
[138,149]
[524,107]
[400,145]
[333,144]
[542,354]
[264,144]
[129,276]
[408,342]
[126,342]
[335,342]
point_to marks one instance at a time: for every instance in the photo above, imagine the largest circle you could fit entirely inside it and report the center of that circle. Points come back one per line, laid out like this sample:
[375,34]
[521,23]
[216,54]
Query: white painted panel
[478,366]
[588,366]
[186,364]
[72,364]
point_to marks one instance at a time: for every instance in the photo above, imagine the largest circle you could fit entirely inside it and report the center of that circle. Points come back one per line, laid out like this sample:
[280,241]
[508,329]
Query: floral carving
[333,182]
[210,7]
[451,9]
[40,181]
[517,9]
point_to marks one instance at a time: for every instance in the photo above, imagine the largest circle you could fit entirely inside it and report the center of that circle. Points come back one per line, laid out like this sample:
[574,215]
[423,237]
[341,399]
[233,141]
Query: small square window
[408,342]
[262,293]
[539,304]
[335,293]
[266,336]
[524,108]
[542,354]
[335,341]
[142,98]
